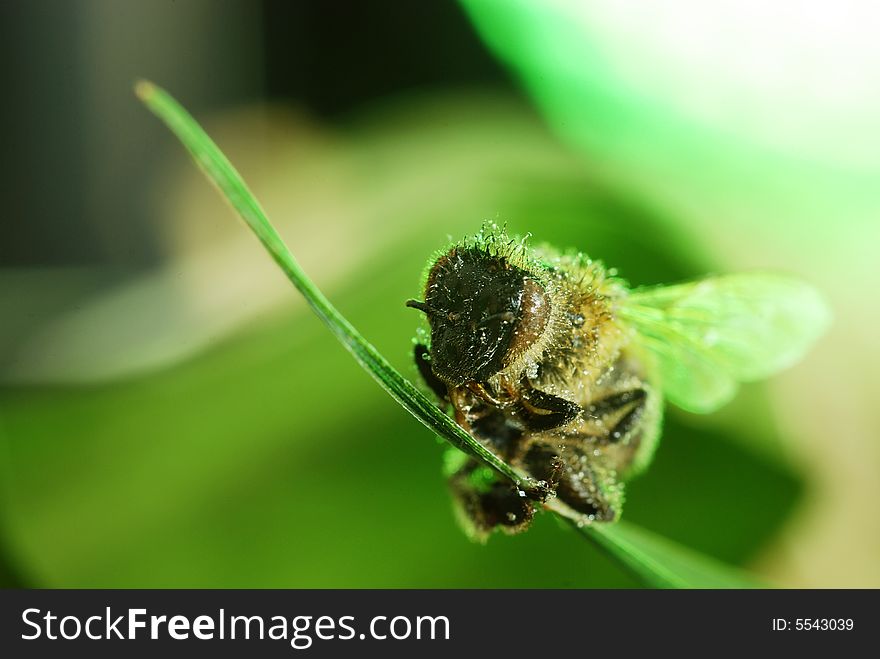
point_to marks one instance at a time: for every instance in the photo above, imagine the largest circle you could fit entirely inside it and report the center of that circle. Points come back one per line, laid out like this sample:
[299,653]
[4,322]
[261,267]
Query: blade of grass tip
[661,563]
[222,174]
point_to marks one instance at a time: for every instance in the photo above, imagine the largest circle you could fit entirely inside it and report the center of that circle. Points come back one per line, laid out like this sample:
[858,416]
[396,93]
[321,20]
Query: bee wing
[708,335]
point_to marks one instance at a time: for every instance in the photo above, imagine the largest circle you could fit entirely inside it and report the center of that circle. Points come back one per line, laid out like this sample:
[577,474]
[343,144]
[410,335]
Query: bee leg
[539,410]
[584,486]
[485,503]
[614,404]
[423,362]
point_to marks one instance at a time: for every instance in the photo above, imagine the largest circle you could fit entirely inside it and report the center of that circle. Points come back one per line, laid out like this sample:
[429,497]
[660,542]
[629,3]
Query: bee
[560,369]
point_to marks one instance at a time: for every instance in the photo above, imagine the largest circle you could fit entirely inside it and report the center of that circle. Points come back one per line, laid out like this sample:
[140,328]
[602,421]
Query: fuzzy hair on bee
[555,365]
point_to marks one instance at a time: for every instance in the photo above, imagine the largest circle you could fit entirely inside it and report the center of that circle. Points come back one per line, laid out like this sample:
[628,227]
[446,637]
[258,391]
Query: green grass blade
[661,563]
[221,173]
[654,560]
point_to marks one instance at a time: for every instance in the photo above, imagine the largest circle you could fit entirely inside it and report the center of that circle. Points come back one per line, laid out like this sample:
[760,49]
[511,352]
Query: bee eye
[533,316]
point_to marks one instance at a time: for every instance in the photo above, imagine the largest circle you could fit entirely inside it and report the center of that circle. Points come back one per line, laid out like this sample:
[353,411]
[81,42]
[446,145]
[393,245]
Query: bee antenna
[421,306]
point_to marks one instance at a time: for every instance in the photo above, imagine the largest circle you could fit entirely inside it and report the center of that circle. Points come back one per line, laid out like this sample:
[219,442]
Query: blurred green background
[172,415]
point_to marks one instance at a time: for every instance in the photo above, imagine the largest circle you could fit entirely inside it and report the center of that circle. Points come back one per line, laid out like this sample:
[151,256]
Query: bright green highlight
[781,133]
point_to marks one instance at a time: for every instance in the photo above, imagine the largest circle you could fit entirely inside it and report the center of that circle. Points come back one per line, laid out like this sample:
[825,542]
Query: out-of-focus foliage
[267,458]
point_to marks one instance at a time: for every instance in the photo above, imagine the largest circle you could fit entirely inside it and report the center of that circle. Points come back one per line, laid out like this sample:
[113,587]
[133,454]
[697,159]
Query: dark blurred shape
[337,56]
[77,151]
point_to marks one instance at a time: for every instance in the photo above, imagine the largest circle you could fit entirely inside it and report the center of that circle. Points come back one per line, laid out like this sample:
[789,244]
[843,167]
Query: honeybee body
[553,364]
[529,353]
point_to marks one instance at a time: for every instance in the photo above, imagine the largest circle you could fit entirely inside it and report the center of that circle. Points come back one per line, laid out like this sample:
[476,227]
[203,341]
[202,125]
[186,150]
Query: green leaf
[657,562]
[661,563]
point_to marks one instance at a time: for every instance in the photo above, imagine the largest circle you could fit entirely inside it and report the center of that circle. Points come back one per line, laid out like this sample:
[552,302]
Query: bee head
[484,312]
